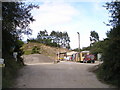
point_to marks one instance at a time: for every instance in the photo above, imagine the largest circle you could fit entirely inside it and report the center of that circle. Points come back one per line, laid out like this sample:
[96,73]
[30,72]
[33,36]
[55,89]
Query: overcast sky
[72,17]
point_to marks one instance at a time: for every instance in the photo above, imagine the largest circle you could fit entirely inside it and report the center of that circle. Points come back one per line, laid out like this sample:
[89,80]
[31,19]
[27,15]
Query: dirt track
[61,75]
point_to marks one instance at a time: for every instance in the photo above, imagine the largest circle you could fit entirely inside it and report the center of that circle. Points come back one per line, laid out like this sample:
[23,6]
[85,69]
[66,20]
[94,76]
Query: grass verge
[100,73]
[9,72]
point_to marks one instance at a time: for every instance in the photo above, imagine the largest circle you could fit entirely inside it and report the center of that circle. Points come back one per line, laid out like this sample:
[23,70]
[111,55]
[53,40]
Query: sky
[72,17]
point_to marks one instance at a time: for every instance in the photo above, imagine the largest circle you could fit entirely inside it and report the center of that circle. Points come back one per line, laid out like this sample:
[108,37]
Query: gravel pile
[36,58]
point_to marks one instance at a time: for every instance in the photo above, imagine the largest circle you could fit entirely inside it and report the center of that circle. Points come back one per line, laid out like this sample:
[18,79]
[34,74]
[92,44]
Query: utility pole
[1,60]
[58,52]
[79,44]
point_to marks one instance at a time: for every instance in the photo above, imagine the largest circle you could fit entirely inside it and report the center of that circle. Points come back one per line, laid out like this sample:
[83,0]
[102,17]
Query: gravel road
[61,75]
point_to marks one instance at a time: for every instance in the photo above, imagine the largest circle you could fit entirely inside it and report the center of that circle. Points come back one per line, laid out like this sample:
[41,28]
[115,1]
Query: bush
[111,63]
[28,52]
[9,72]
[35,50]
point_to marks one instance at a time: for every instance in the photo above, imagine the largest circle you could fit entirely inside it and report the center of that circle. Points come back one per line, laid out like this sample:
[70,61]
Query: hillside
[42,49]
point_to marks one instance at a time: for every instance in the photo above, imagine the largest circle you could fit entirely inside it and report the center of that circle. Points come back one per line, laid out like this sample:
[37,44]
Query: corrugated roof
[70,53]
[85,51]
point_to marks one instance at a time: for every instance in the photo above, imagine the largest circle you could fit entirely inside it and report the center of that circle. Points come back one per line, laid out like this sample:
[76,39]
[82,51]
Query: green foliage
[77,49]
[27,52]
[111,63]
[35,50]
[94,36]
[42,33]
[114,9]
[32,40]
[9,72]
[109,70]
[55,39]
[86,48]
[18,45]
[99,47]
[16,17]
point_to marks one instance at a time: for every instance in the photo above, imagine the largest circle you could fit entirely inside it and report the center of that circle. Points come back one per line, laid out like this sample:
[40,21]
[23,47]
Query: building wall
[82,54]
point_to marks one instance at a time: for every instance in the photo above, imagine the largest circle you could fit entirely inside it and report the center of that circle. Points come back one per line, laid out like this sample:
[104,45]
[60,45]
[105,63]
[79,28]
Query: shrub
[35,50]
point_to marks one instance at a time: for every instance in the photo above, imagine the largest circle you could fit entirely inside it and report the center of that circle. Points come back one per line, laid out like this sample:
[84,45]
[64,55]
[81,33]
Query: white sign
[1,61]
[15,55]
[99,55]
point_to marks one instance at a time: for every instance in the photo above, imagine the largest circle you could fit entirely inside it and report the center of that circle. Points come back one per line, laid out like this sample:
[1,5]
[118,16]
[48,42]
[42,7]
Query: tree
[43,37]
[66,40]
[42,34]
[111,56]
[56,38]
[53,36]
[94,37]
[61,38]
[16,17]
[15,21]
[99,47]
[114,9]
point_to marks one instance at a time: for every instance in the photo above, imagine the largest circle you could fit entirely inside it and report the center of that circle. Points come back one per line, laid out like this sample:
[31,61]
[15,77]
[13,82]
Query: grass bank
[100,73]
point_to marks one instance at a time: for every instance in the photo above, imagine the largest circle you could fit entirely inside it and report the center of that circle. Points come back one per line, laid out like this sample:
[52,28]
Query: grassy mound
[32,48]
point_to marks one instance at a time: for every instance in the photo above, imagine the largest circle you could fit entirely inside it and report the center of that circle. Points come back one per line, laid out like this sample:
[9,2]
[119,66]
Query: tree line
[54,39]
